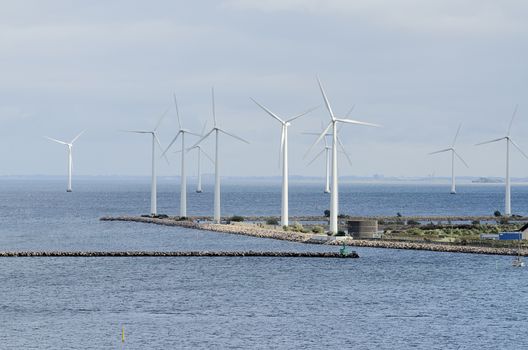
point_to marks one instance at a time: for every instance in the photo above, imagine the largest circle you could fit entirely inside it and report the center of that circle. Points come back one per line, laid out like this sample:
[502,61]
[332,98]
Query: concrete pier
[249,253]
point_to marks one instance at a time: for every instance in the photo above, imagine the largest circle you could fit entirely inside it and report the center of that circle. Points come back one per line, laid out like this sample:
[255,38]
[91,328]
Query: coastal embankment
[249,253]
[264,232]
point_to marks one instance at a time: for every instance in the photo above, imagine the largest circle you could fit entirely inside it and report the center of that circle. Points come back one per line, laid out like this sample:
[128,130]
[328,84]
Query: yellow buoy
[123,334]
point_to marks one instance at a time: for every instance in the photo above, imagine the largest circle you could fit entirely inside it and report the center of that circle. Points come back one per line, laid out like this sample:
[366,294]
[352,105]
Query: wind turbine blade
[344,150]
[327,103]
[213,100]
[159,145]
[350,121]
[318,139]
[511,121]
[76,137]
[441,151]
[161,118]
[350,111]
[268,111]
[234,136]
[205,154]
[304,113]
[518,148]
[462,160]
[177,111]
[192,133]
[490,141]
[171,143]
[203,138]
[316,157]
[203,129]
[137,131]
[55,140]
[456,135]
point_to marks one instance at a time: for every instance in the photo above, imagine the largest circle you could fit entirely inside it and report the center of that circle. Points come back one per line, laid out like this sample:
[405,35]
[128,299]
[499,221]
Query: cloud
[474,17]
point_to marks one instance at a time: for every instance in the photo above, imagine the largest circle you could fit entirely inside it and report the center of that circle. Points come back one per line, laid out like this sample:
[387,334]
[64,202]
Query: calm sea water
[387,299]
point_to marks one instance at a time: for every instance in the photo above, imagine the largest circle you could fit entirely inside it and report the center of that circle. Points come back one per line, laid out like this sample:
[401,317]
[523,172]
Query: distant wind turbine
[70,160]
[326,150]
[217,132]
[453,154]
[183,176]
[334,197]
[284,155]
[200,152]
[507,196]
[153,183]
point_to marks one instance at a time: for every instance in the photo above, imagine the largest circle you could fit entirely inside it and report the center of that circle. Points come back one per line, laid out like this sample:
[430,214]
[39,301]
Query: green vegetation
[272,221]
[236,218]
[317,229]
[458,234]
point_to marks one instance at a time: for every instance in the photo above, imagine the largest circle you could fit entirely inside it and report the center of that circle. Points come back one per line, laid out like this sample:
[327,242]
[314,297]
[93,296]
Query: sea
[386,299]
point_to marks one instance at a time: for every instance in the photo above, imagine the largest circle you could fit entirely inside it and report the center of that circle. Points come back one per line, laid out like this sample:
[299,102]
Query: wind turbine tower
[334,195]
[69,145]
[183,175]
[217,131]
[453,155]
[284,155]
[153,182]
[509,141]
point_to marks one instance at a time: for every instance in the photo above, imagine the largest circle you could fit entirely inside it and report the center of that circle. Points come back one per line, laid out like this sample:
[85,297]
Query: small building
[363,229]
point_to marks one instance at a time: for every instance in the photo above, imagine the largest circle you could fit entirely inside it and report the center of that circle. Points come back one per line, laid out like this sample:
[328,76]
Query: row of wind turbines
[509,142]
[330,150]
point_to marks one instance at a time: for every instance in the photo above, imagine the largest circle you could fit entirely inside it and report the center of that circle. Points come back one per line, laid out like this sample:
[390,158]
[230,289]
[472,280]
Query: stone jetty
[249,253]
[262,232]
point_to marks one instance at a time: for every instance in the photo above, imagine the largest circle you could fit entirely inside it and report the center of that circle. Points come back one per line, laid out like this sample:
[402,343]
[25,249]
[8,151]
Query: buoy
[123,334]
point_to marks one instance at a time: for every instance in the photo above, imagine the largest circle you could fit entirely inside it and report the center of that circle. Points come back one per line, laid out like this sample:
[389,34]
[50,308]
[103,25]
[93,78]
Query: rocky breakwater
[435,247]
[247,230]
[261,232]
[249,253]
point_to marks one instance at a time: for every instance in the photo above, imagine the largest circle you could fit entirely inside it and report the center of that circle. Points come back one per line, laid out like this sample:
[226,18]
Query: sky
[418,68]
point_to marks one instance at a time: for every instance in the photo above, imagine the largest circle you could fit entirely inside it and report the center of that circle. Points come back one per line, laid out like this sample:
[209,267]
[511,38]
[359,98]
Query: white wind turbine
[217,132]
[70,159]
[153,183]
[326,150]
[183,175]
[284,154]
[507,196]
[334,196]
[200,151]
[453,154]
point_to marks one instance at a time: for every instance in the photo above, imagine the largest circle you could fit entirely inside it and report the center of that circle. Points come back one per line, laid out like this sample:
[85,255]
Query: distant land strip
[260,232]
[249,253]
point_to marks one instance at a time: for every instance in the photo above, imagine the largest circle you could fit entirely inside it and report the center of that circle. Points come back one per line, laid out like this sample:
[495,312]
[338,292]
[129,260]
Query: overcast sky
[417,67]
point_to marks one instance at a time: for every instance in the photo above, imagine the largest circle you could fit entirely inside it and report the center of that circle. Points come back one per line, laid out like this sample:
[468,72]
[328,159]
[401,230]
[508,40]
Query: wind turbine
[284,154]
[334,200]
[70,146]
[326,150]
[183,176]
[453,154]
[200,152]
[217,132]
[153,183]
[507,196]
